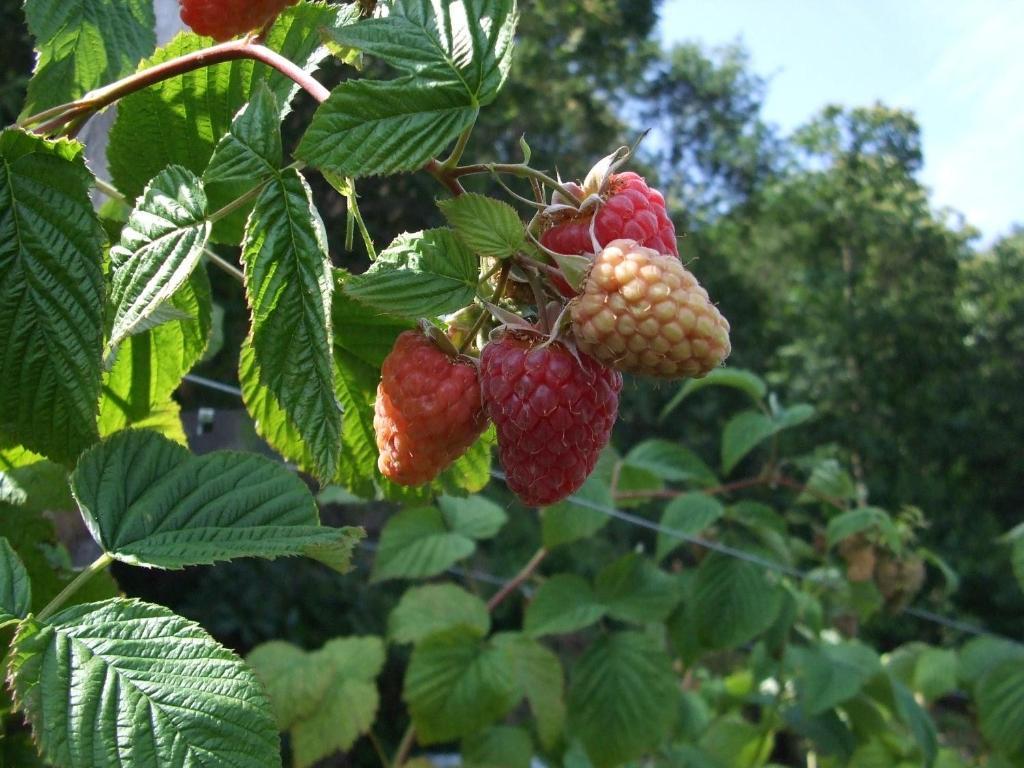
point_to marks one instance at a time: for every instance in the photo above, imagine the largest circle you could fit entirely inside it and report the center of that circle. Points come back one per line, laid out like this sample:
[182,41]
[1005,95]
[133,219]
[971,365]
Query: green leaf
[428,610]
[179,121]
[487,226]
[622,698]
[422,274]
[743,433]
[15,587]
[671,462]
[249,154]
[149,688]
[51,297]
[327,698]
[416,543]
[689,514]
[918,722]
[289,286]
[732,741]
[32,483]
[295,681]
[733,601]
[472,472]
[936,672]
[150,365]
[827,479]
[148,501]
[634,589]
[828,675]
[855,521]
[500,746]
[457,684]
[84,45]
[368,128]
[749,383]
[569,521]
[564,603]
[465,45]
[980,655]
[539,672]
[160,247]
[1000,699]
[473,516]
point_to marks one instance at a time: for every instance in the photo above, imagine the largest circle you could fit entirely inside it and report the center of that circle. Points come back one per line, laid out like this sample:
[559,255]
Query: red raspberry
[554,412]
[224,19]
[428,410]
[631,210]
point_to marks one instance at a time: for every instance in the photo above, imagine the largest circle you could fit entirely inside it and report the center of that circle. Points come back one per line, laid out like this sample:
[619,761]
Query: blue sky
[958,64]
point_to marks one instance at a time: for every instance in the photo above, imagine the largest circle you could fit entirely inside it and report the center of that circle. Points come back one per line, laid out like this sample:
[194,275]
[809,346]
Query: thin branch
[92,102]
[79,581]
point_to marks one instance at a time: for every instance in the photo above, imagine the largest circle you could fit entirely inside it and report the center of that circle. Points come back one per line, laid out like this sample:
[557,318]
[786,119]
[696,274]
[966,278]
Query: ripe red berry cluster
[224,19]
[554,398]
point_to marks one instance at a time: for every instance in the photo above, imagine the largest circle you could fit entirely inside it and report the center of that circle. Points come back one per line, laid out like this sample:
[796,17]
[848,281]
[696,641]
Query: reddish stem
[236,49]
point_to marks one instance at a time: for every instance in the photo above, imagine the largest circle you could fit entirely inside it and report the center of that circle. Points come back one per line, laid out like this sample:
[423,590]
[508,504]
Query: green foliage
[84,45]
[148,501]
[487,226]
[434,608]
[325,699]
[156,689]
[51,299]
[15,587]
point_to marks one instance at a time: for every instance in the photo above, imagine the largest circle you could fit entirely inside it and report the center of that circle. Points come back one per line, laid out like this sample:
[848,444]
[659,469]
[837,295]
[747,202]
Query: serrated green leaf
[500,746]
[15,587]
[750,384]
[368,127]
[733,601]
[149,688]
[467,45]
[622,695]
[473,516]
[671,462]
[149,366]
[248,155]
[51,297]
[689,514]
[326,698]
[457,684]
[1000,699]
[828,675]
[489,227]
[421,274]
[289,286]
[148,501]
[160,247]
[633,589]
[562,604]
[428,610]
[416,543]
[84,45]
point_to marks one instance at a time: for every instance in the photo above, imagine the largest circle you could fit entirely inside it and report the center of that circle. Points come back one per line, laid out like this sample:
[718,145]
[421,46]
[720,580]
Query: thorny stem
[70,115]
[409,737]
[79,581]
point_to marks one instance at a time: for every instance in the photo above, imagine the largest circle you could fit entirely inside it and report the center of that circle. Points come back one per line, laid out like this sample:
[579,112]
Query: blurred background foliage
[843,284]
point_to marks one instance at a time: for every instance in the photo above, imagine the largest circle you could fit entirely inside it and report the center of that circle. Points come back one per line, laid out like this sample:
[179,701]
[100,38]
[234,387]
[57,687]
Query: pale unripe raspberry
[643,312]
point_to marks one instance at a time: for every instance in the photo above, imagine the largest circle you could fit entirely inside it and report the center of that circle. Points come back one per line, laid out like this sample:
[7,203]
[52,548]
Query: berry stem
[409,737]
[499,291]
[75,112]
[520,170]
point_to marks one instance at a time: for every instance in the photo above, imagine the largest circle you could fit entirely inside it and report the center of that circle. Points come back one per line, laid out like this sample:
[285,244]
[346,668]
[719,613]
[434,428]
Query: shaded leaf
[416,543]
[428,610]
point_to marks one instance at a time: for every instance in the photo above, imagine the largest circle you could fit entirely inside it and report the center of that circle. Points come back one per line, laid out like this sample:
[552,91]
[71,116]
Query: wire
[642,522]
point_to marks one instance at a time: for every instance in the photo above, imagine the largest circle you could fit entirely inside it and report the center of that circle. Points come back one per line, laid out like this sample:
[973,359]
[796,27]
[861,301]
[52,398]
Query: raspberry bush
[725,636]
